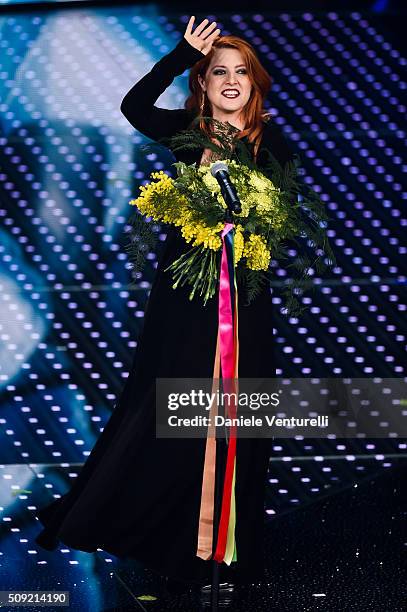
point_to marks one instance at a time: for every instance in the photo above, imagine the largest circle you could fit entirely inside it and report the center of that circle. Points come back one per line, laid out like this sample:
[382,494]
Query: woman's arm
[138,104]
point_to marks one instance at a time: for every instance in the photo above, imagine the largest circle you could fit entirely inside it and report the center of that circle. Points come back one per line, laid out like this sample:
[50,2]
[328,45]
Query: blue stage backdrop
[70,162]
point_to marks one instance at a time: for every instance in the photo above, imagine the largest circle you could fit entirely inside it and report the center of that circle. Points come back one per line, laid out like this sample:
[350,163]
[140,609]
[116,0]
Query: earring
[202,102]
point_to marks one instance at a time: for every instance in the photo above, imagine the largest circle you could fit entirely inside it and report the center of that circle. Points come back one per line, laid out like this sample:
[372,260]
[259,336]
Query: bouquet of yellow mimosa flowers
[270,216]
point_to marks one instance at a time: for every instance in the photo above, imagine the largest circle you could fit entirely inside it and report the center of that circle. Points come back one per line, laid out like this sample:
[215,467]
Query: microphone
[220,171]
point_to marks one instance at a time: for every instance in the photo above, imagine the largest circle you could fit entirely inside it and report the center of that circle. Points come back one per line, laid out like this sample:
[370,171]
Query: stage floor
[340,552]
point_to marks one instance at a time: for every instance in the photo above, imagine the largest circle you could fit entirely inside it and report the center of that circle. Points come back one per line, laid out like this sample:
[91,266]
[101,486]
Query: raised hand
[203,35]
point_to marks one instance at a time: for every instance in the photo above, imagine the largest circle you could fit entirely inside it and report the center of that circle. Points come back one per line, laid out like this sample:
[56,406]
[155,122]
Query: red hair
[253,113]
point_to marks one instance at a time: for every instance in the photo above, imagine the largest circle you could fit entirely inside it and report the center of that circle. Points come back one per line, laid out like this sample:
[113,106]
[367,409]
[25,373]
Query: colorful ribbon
[226,360]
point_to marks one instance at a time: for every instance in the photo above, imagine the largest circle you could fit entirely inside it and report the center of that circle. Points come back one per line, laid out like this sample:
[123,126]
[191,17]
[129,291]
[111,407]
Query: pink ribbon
[228,352]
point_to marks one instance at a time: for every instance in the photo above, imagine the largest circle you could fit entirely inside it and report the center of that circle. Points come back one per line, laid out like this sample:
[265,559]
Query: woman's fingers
[199,28]
[203,35]
[209,30]
[207,43]
[189,25]
[214,35]
[202,30]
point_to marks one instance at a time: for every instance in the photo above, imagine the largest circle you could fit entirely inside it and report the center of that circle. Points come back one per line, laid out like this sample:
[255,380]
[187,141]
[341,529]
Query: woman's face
[227,83]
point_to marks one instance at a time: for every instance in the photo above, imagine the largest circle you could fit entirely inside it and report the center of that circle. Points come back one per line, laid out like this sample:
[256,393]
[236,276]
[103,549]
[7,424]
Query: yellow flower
[238,243]
[188,231]
[221,201]
[207,236]
[256,252]
[260,183]
[261,201]
[210,181]
[160,200]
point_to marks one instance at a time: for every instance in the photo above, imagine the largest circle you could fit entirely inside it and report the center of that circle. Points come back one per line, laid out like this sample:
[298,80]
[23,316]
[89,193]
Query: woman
[138,496]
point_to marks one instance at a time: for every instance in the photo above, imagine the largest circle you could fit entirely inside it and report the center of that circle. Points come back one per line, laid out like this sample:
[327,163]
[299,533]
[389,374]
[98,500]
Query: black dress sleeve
[138,104]
[276,143]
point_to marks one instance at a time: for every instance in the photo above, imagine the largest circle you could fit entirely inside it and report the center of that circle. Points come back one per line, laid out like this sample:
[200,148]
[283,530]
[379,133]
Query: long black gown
[138,496]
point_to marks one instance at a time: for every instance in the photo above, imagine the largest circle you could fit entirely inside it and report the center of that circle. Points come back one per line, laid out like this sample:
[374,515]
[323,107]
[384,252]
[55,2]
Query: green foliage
[142,239]
[197,267]
[249,283]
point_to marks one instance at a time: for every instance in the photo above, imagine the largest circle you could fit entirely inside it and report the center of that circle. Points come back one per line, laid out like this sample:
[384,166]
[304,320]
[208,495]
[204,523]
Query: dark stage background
[70,314]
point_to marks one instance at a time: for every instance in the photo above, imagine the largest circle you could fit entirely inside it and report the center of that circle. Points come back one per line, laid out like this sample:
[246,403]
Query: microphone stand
[217,503]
